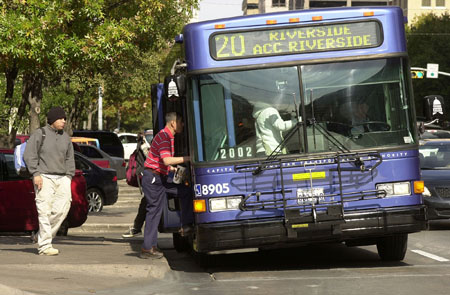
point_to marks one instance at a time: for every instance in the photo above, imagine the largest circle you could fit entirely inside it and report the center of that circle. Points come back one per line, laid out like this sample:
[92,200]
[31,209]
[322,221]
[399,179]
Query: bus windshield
[364,104]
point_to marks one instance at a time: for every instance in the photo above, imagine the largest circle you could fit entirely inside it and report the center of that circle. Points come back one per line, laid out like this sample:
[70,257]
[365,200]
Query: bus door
[161,104]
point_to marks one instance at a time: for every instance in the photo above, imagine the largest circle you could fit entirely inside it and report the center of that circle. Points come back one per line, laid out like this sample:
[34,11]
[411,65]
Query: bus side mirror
[175,86]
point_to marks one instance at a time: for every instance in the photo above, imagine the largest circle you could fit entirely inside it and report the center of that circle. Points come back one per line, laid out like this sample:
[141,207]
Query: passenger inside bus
[269,129]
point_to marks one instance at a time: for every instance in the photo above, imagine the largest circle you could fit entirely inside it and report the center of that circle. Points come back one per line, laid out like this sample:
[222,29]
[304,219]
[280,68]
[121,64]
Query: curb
[101,228]
[13,291]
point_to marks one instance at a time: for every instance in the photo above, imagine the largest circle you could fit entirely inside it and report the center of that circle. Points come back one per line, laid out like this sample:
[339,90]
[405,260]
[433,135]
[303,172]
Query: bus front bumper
[363,226]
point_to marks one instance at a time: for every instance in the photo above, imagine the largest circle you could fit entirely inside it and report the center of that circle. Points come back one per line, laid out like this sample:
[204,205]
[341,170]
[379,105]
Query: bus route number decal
[211,189]
[270,41]
[236,152]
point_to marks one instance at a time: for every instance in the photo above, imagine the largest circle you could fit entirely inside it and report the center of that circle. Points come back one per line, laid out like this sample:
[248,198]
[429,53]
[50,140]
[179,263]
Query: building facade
[411,8]
[417,7]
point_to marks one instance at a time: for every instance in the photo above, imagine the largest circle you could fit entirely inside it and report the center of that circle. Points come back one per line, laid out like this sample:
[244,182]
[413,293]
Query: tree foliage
[428,40]
[61,51]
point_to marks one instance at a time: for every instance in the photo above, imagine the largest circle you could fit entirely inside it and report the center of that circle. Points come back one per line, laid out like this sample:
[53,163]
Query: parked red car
[18,211]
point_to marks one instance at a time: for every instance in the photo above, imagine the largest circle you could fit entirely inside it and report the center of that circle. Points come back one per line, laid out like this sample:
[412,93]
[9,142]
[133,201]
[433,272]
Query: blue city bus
[336,84]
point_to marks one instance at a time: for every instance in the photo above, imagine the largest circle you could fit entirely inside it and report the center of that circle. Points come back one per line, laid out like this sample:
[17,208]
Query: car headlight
[426,192]
[223,204]
[395,188]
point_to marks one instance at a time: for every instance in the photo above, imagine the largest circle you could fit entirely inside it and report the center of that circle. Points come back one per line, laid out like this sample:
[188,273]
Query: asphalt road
[95,259]
[324,269]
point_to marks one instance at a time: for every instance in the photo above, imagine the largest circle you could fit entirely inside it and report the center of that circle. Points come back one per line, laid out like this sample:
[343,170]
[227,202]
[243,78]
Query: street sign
[432,70]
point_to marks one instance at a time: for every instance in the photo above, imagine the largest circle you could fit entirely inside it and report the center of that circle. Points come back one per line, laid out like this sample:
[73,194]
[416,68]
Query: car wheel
[393,248]
[95,200]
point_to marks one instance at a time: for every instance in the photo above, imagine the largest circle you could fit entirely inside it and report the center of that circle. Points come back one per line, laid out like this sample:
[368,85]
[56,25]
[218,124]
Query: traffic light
[417,74]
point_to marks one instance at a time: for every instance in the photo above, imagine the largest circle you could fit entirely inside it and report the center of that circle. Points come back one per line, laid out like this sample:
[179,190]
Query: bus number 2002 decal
[210,189]
[236,152]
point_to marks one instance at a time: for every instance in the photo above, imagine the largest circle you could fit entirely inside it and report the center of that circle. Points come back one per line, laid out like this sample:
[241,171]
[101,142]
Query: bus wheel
[392,248]
[181,244]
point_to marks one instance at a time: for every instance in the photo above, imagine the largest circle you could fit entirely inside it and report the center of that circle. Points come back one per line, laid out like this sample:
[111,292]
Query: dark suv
[109,141]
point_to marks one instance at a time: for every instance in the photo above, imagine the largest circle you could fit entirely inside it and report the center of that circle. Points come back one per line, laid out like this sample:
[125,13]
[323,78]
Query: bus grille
[443,192]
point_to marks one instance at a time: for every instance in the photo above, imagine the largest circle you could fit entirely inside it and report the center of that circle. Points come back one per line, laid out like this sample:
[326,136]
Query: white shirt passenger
[269,129]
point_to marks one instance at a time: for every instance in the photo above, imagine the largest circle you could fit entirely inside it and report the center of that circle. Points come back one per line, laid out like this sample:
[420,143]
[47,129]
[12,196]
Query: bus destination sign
[294,40]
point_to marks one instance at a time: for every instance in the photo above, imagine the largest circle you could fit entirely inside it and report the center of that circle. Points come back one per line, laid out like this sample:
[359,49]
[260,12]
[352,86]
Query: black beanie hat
[54,114]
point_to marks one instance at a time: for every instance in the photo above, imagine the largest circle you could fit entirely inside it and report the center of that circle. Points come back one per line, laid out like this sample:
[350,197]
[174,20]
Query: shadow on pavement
[330,256]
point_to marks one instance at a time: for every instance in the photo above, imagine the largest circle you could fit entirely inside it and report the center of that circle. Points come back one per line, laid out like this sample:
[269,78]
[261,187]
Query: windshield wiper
[339,145]
[330,137]
[277,151]
[309,122]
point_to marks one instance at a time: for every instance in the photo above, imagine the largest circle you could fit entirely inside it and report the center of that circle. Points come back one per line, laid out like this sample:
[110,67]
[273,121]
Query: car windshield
[247,114]
[434,156]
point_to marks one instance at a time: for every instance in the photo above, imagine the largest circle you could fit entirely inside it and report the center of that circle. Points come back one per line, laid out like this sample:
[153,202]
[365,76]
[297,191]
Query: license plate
[310,196]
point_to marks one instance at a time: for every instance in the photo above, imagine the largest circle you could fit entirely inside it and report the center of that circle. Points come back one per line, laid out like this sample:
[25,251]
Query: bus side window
[214,125]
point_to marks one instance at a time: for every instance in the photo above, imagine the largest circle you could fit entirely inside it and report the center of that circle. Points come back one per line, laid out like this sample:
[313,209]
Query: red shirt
[162,147]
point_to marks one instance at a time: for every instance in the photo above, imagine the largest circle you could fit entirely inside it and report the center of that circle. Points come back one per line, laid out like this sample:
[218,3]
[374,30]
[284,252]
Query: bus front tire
[181,244]
[392,248]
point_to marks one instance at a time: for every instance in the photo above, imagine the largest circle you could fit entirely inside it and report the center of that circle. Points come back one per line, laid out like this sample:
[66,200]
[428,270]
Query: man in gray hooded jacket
[52,166]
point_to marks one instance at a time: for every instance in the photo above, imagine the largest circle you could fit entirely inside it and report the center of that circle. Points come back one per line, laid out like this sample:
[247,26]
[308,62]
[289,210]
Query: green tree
[71,41]
[428,40]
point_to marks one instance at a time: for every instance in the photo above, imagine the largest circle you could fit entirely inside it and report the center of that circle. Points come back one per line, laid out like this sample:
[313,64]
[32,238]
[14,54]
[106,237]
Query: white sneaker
[49,252]
[132,232]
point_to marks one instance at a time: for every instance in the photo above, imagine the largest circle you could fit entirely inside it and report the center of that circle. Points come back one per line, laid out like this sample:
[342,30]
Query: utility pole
[100,108]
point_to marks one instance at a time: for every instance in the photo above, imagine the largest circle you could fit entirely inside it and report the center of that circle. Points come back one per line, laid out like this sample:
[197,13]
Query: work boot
[153,253]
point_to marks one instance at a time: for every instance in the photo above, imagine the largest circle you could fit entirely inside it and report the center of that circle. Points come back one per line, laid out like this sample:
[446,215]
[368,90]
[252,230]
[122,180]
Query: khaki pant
[53,204]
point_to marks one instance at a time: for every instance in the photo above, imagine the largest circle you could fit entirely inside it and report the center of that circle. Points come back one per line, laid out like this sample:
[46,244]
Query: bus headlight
[224,204]
[395,189]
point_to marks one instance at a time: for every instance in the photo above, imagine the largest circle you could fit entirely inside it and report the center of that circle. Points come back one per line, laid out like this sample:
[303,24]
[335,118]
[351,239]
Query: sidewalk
[115,218]
[92,257]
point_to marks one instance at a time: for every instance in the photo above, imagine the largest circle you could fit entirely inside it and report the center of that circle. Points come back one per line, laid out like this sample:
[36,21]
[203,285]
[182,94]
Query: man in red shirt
[160,160]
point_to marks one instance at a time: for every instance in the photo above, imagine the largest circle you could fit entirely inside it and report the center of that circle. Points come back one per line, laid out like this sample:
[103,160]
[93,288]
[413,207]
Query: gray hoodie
[55,157]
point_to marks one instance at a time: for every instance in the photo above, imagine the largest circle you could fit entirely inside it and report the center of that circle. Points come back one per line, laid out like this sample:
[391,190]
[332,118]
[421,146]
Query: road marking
[431,256]
[296,278]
